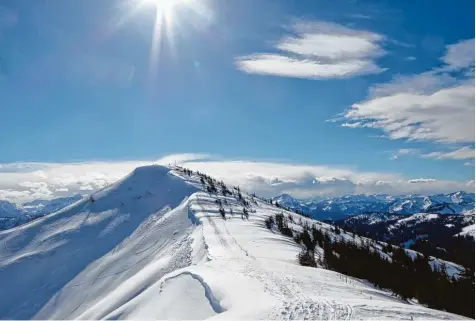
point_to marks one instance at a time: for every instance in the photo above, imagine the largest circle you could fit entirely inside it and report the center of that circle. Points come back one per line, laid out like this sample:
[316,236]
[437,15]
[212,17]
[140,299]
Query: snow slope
[153,246]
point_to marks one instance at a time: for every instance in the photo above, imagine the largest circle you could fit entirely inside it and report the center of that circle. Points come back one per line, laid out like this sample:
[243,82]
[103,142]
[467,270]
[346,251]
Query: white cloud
[410,58]
[404,151]
[265,178]
[432,106]
[460,55]
[462,153]
[277,65]
[181,158]
[421,180]
[21,182]
[270,179]
[318,50]
[353,125]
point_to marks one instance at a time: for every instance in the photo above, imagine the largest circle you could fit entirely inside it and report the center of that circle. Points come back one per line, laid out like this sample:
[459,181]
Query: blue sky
[383,87]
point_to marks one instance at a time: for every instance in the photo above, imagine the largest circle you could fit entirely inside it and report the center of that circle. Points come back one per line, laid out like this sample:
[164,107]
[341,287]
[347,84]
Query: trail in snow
[294,304]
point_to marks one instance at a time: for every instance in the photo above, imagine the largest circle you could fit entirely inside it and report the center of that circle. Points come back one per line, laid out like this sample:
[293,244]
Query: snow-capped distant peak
[339,207]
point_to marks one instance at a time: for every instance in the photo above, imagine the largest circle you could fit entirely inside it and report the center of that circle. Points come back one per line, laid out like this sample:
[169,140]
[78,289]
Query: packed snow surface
[153,246]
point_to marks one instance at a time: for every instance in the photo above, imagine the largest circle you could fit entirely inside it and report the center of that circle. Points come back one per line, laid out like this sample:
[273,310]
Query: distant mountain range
[401,228]
[12,215]
[340,207]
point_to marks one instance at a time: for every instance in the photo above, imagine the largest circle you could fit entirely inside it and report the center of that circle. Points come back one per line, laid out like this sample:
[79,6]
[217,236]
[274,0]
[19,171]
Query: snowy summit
[162,244]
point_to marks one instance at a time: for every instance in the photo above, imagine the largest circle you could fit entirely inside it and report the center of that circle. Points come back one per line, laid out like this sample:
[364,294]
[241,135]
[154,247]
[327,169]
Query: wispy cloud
[404,151]
[421,180]
[26,181]
[410,58]
[433,106]
[462,153]
[318,50]
[360,16]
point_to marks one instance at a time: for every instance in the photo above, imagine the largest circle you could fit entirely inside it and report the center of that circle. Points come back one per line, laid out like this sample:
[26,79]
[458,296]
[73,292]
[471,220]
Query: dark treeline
[457,249]
[406,277]
[434,237]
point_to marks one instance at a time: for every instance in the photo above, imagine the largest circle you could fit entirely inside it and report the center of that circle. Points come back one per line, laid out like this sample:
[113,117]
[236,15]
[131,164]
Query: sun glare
[164,17]
[162,4]
[167,21]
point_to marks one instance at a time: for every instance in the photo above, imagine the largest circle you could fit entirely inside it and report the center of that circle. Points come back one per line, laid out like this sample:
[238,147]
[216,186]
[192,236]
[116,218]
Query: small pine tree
[245,212]
[307,241]
[269,222]
[337,230]
[222,212]
[306,258]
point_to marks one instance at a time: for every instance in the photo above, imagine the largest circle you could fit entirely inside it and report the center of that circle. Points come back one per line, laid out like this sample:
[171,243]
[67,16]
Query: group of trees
[389,267]
[213,186]
[306,256]
[406,277]
[436,237]
[457,249]
[282,225]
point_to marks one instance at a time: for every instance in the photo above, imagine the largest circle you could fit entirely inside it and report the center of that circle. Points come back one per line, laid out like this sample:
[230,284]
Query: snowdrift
[154,246]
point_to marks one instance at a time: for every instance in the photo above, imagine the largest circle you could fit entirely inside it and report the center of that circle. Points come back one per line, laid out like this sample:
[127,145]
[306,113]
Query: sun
[165,11]
[169,18]
[164,8]
[162,4]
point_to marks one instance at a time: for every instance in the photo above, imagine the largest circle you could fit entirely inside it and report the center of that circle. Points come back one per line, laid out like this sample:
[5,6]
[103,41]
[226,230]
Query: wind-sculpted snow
[63,260]
[153,246]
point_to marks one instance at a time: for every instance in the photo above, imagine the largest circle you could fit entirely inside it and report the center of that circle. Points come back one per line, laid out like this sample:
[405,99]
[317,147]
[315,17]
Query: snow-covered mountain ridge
[131,250]
[340,207]
[12,215]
